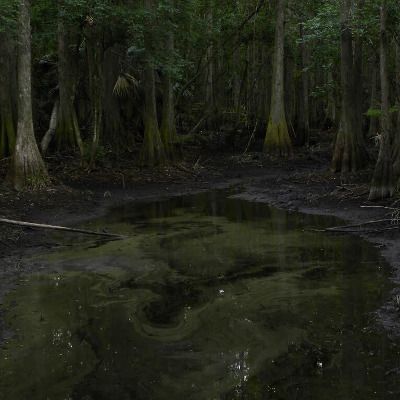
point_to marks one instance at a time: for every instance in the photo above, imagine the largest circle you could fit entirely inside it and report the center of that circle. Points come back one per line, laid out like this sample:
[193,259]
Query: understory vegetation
[146,79]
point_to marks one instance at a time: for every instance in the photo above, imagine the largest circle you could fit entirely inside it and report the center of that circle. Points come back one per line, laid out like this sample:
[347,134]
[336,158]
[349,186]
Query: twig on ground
[58,228]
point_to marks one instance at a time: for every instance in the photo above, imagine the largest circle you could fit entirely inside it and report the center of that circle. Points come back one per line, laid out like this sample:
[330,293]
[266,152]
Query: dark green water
[210,298]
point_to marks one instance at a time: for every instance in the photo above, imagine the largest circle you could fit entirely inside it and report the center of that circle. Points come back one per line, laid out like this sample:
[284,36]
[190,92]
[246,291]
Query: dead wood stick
[251,139]
[57,228]
[390,228]
[345,228]
[384,207]
[378,221]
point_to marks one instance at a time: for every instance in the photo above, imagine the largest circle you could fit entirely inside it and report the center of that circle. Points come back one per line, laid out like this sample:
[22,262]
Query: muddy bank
[304,185]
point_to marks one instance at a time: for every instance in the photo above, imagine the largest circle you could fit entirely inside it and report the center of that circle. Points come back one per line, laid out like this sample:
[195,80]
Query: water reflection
[208,298]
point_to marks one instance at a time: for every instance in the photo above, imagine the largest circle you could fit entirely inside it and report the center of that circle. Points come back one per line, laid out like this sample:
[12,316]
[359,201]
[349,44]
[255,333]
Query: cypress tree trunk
[67,131]
[95,60]
[153,150]
[277,140]
[28,169]
[350,153]
[168,126]
[331,108]
[374,103]
[358,79]
[396,139]
[209,82]
[382,182]
[7,95]
[303,128]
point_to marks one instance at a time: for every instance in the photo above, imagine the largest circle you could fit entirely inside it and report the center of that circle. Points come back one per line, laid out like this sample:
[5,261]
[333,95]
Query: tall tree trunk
[303,128]
[331,107]
[358,79]
[210,72]
[382,182]
[396,139]
[350,153]
[153,150]
[94,49]
[168,125]
[374,102]
[7,95]
[28,169]
[277,140]
[67,131]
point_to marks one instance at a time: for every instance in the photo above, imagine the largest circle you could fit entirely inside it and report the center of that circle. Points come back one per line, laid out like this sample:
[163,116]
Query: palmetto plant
[125,84]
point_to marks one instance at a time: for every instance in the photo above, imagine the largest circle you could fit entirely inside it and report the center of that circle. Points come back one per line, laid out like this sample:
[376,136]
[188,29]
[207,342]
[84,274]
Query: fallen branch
[378,221]
[384,207]
[390,228]
[347,228]
[58,228]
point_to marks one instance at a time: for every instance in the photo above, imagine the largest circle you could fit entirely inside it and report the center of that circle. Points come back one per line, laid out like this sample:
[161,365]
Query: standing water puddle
[208,298]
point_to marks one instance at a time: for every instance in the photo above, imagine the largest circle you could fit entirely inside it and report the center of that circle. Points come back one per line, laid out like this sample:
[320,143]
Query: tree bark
[28,169]
[396,139]
[7,95]
[383,181]
[168,125]
[210,72]
[374,102]
[51,132]
[94,50]
[67,132]
[153,150]
[350,153]
[303,126]
[277,140]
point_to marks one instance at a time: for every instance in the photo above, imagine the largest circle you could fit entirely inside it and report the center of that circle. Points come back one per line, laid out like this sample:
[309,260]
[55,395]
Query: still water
[209,297]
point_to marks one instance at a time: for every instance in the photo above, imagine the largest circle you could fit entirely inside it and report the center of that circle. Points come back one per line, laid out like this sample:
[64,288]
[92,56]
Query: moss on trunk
[152,152]
[349,154]
[28,169]
[277,140]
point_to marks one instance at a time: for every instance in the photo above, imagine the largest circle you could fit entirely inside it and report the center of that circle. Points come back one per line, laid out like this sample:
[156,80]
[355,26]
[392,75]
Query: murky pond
[208,298]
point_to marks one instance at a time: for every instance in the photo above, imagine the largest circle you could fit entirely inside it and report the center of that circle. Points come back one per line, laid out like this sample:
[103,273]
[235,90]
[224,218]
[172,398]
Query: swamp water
[209,298]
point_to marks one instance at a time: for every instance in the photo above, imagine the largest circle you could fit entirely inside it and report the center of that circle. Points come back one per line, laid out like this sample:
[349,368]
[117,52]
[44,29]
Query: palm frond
[124,85]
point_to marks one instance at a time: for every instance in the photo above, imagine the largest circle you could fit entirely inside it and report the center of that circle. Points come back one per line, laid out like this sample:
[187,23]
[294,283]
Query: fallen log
[58,228]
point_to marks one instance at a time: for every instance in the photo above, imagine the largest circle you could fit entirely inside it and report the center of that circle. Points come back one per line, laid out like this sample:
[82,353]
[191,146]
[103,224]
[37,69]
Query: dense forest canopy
[121,75]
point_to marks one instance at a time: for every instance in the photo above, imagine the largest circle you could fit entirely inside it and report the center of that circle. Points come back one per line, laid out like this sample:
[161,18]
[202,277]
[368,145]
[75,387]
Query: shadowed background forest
[145,80]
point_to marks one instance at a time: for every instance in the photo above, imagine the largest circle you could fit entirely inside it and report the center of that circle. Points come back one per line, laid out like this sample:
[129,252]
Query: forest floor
[303,183]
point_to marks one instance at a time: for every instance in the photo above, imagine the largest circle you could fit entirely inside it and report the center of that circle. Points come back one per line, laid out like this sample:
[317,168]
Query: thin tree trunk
[373,123]
[303,128]
[48,137]
[168,124]
[28,169]
[277,140]
[358,80]
[210,71]
[350,153]
[331,108]
[7,95]
[382,182]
